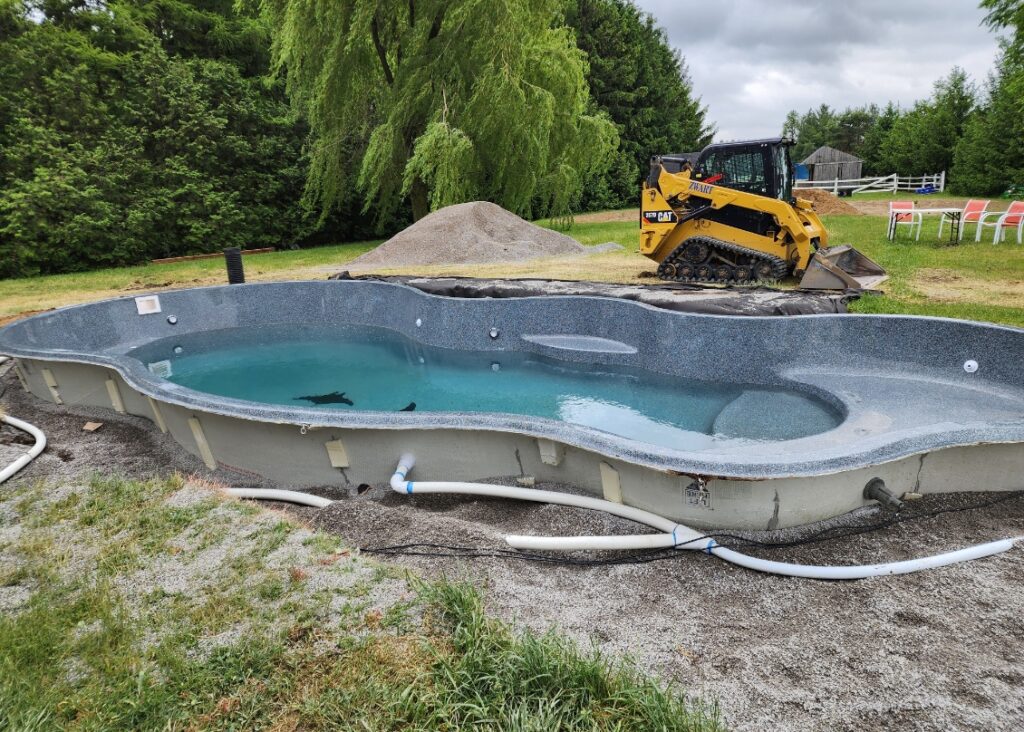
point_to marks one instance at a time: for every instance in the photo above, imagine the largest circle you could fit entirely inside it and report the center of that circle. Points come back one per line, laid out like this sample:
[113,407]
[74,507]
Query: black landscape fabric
[688,298]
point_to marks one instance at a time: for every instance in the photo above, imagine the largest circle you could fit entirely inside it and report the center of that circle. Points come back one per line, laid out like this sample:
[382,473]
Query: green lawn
[975,281]
[927,277]
[39,293]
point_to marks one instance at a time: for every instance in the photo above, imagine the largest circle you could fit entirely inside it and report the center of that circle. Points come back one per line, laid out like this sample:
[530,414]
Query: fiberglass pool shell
[900,385]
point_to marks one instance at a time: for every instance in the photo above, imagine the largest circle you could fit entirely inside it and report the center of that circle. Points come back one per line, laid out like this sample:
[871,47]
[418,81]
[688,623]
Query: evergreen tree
[852,129]
[990,156]
[1008,15]
[924,139]
[642,84]
[812,130]
[875,162]
[113,152]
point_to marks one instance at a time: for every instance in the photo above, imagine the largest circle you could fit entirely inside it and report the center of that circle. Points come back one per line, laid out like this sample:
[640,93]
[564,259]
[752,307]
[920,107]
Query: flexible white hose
[812,571]
[276,494]
[674,535]
[31,454]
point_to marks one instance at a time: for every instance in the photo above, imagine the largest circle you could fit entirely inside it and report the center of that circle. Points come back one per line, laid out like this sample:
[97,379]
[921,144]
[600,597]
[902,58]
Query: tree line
[134,129]
[975,134]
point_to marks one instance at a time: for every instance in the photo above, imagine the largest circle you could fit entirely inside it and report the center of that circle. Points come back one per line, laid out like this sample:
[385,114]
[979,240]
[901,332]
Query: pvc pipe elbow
[398,481]
[32,453]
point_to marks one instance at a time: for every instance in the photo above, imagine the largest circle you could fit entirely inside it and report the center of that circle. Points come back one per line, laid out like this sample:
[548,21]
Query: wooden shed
[827,163]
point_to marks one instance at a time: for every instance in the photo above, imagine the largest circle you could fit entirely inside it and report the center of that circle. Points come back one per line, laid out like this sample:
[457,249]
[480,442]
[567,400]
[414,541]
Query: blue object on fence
[926,190]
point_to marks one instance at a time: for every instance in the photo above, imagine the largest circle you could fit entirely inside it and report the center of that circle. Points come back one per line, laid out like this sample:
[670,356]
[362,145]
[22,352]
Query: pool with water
[380,370]
[714,421]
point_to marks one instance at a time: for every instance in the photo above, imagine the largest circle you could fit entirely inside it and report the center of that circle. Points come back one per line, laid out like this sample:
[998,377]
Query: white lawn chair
[1011,218]
[902,212]
[971,214]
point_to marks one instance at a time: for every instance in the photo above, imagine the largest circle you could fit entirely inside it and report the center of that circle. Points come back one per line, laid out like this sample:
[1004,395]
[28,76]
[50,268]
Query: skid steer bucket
[842,268]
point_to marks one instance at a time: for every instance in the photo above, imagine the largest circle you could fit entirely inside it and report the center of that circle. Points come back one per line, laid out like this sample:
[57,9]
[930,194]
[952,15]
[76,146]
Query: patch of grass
[40,293]
[466,672]
[990,266]
[498,678]
[922,200]
[323,543]
[85,654]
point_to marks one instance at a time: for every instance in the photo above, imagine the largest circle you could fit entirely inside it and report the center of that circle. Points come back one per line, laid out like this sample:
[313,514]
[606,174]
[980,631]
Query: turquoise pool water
[373,369]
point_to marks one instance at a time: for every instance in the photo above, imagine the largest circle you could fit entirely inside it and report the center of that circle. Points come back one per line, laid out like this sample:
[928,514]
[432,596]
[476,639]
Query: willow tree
[437,102]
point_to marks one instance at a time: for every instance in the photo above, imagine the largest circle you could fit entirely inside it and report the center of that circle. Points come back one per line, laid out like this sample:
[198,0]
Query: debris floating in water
[410,408]
[333,398]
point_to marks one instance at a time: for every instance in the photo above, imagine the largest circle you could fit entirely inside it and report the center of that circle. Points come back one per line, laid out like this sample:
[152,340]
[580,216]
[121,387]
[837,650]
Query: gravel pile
[474,232]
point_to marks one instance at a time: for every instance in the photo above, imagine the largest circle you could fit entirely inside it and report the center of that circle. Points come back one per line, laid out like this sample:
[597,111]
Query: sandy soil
[946,285]
[826,203]
[630,215]
[940,650]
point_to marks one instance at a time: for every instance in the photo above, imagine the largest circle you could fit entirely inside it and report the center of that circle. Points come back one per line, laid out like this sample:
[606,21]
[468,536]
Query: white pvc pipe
[592,543]
[674,535]
[812,571]
[276,494]
[401,485]
[31,454]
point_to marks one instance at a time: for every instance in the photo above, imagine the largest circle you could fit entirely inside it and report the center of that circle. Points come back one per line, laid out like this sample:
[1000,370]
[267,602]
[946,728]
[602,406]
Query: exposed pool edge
[622,322]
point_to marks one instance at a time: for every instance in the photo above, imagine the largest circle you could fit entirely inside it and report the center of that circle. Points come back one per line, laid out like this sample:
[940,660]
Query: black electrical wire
[452,551]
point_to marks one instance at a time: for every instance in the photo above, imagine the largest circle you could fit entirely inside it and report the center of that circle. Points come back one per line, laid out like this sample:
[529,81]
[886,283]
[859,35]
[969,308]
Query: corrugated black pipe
[233,259]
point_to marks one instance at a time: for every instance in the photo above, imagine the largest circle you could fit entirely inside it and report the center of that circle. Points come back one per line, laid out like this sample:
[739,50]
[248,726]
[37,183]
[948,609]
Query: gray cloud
[752,61]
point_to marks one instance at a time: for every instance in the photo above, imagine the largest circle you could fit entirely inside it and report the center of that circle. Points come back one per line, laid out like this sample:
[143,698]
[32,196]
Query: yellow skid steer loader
[728,215]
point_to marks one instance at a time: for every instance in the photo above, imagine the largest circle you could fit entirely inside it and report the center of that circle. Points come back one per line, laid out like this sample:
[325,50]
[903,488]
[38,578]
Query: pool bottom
[348,369]
[347,457]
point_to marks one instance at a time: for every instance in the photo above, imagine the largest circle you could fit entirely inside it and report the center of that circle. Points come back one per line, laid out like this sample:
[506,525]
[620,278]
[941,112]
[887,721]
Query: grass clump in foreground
[143,605]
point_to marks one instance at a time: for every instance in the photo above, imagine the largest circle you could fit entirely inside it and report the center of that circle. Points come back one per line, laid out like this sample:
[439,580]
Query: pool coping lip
[421,293]
[898,445]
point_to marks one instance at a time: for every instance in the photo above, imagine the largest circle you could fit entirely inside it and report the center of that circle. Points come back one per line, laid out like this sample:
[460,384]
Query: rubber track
[780,267]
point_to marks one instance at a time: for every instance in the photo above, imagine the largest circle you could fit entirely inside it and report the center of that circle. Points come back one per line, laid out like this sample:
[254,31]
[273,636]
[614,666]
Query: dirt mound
[826,203]
[469,233]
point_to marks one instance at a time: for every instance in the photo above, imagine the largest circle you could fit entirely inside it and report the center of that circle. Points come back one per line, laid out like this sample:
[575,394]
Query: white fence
[882,183]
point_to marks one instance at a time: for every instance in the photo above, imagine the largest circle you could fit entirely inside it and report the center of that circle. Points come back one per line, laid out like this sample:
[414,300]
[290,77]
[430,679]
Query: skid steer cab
[727,214]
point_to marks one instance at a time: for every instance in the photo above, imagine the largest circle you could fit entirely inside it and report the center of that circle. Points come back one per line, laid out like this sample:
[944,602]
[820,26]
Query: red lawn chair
[1012,218]
[971,215]
[911,218]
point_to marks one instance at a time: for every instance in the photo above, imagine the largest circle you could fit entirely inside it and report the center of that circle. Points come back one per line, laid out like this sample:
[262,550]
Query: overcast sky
[754,60]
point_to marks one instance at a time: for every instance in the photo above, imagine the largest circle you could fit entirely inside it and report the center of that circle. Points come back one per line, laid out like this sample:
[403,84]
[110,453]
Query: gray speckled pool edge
[773,351]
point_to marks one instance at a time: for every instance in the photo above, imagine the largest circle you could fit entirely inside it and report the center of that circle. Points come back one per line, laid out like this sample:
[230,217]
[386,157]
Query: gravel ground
[939,650]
